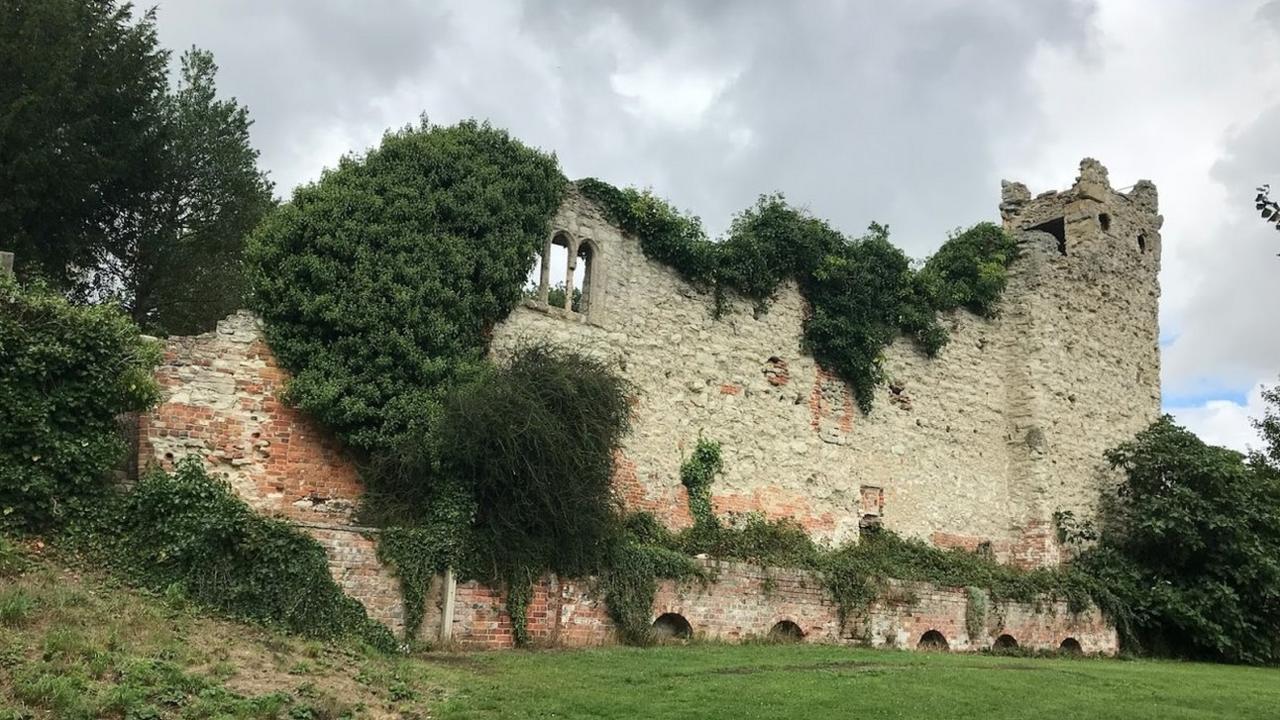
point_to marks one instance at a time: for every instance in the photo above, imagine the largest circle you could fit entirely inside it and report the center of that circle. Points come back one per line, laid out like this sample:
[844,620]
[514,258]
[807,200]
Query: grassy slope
[78,646]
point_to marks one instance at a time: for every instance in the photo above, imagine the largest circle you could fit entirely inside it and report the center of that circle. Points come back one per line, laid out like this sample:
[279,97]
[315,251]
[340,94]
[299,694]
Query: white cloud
[668,93]
[1224,422]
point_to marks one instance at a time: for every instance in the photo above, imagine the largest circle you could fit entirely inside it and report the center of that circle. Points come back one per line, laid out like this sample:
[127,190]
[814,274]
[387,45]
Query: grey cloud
[1230,335]
[862,112]
[305,66]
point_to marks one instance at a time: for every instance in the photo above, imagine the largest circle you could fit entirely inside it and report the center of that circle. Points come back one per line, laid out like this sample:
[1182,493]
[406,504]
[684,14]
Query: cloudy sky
[908,113]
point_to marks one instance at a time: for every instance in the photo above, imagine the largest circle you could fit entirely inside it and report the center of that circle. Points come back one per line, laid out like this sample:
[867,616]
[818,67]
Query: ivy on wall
[863,292]
[855,573]
[68,372]
[379,285]
[187,532]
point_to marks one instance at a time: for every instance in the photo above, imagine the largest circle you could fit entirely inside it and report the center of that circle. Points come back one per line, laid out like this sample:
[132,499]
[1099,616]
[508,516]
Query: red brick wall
[220,401]
[747,601]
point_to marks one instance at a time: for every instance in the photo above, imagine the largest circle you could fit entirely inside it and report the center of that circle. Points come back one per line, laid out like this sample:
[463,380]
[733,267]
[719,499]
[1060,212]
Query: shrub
[1190,548]
[516,481]
[534,442]
[969,270]
[379,283]
[189,531]
[69,371]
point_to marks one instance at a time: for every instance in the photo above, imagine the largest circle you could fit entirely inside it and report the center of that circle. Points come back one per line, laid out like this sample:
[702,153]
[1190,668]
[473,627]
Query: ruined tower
[1084,373]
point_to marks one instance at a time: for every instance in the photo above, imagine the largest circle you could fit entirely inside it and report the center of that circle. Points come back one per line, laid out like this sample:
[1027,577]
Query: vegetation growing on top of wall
[862,291]
[188,533]
[68,372]
[1189,546]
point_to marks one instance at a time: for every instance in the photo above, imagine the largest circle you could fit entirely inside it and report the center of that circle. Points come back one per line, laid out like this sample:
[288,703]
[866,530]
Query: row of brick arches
[936,641]
[674,626]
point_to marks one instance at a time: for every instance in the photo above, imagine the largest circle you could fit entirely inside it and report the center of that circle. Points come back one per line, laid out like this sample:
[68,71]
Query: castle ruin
[977,447]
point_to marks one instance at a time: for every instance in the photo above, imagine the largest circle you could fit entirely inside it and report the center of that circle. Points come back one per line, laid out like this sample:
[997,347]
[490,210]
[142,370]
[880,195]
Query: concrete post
[446,609]
[6,263]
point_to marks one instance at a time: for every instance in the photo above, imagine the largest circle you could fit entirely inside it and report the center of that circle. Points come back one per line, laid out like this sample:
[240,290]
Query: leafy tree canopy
[112,185]
[380,282]
[1191,547]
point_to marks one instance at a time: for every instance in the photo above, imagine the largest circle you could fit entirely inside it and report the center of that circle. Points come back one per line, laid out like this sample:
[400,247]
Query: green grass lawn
[77,645]
[710,682]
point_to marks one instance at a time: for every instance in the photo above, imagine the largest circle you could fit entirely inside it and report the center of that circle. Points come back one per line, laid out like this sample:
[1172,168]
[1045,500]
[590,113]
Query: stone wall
[981,444]
[221,402]
[978,446]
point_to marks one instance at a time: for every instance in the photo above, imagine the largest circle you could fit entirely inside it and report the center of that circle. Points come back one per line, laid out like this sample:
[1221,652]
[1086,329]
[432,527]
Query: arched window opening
[786,631]
[672,626]
[582,277]
[1071,646]
[933,640]
[1004,642]
[557,293]
[1104,220]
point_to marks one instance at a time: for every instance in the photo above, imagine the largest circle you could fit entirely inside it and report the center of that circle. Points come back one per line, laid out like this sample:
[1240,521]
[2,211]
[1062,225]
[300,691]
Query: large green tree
[113,186]
[182,271]
[80,148]
[380,282]
[1191,545]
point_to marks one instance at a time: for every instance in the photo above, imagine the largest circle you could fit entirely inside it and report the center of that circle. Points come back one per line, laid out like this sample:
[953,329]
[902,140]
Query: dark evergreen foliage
[68,373]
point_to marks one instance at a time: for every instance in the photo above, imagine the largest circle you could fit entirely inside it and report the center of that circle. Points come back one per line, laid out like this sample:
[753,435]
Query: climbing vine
[975,613]
[644,553]
[696,474]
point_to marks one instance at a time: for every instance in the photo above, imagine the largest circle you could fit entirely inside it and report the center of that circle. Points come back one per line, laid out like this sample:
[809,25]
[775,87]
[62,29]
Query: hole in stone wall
[1004,642]
[672,626]
[1056,227]
[869,524]
[1142,243]
[1071,646]
[776,372]
[933,640]
[786,631]
[1104,220]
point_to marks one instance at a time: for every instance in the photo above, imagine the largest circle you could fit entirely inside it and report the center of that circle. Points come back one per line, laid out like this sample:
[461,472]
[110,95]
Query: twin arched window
[564,271]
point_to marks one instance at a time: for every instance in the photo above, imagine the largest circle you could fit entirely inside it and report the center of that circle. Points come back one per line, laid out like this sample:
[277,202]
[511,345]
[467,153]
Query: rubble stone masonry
[978,446]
